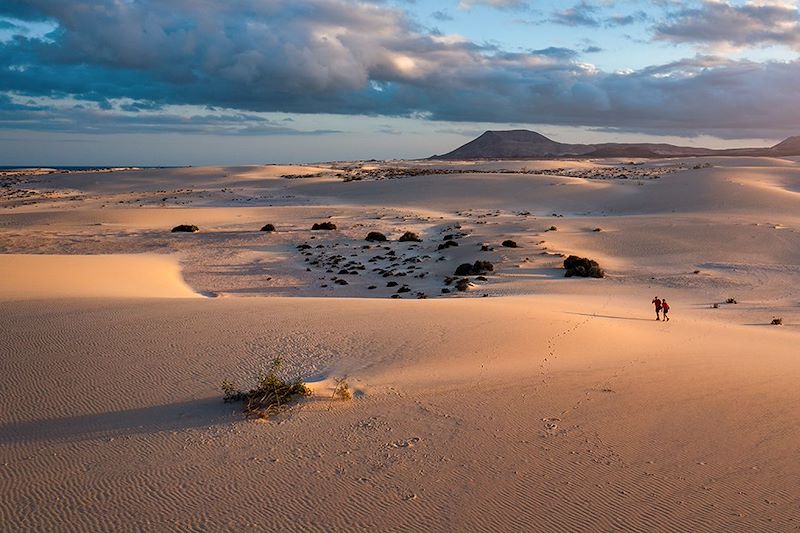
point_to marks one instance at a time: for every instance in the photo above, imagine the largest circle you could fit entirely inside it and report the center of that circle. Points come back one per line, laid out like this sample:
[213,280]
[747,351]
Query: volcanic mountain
[525,144]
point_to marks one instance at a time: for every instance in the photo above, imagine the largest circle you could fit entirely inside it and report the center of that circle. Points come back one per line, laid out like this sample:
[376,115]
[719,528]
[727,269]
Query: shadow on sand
[147,420]
[614,317]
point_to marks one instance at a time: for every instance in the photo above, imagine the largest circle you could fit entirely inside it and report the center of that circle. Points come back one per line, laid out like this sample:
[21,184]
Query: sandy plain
[528,402]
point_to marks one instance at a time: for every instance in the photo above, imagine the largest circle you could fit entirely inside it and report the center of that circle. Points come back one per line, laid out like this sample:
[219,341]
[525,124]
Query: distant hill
[790,146]
[525,144]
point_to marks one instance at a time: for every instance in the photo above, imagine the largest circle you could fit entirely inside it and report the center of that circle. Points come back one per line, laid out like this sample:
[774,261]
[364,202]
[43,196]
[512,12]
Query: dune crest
[25,277]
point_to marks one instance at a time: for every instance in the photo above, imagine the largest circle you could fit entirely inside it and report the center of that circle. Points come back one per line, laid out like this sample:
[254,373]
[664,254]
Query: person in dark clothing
[657,302]
[665,309]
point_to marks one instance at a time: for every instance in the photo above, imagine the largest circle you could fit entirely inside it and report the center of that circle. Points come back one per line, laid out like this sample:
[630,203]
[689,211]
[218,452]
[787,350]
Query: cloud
[442,16]
[723,23]
[498,4]
[582,14]
[214,65]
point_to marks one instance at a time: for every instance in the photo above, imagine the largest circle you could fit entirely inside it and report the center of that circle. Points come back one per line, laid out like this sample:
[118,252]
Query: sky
[194,82]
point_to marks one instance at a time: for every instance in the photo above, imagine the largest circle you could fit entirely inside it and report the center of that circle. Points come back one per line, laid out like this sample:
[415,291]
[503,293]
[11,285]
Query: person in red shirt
[657,302]
[665,309]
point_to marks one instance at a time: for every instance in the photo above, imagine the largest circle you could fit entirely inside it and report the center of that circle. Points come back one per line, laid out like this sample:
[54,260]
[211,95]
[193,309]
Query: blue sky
[153,82]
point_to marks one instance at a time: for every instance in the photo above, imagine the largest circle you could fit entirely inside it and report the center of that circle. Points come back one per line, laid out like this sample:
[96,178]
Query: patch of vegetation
[410,236]
[185,228]
[731,301]
[323,226]
[375,236]
[341,390]
[271,394]
[582,267]
[777,321]
[476,268]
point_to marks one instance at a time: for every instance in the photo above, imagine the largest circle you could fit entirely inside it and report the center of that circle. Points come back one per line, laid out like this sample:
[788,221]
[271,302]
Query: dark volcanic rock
[185,228]
[375,236]
[323,226]
[582,267]
[510,244]
[268,227]
[446,244]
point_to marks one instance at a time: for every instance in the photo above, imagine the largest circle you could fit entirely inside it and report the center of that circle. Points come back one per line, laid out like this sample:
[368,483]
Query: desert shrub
[478,267]
[185,228]
[731,301]
[375,236]
[777,321]
[582,267]
[271,394]
[463,284]
[323,226]
[409,236]
[510,244]
[268,227]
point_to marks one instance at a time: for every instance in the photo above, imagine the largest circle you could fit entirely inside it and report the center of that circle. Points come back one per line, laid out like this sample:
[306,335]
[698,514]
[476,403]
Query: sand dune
[468,408]
[550,404]
[91,276]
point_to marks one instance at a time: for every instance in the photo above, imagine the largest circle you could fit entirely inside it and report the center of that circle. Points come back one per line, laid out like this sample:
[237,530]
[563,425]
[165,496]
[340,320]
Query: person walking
[665,309]
[657,302]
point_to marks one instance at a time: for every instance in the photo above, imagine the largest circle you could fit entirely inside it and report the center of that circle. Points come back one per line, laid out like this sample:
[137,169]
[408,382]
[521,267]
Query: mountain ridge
[526,144]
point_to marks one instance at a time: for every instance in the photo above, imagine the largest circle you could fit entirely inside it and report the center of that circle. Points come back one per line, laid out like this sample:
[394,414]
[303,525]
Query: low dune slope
[108,276]
[517,414]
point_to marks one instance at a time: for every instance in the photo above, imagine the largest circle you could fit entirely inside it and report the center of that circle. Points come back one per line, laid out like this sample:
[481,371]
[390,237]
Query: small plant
[776,321]
[341,390]
[731,301]
[271,394]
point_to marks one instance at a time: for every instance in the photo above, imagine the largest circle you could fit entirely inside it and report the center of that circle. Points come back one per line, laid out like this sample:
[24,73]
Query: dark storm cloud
[346,57]
[750,24]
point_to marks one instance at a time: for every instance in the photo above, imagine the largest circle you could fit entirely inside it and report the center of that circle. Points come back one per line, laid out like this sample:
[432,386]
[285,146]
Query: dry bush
[270,395]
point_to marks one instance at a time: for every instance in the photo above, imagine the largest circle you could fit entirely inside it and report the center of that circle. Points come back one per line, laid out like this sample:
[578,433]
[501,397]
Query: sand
[552,404]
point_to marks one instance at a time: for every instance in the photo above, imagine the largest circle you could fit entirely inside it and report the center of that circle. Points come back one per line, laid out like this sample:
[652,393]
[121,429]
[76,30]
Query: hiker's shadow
[146,420]
[613,317]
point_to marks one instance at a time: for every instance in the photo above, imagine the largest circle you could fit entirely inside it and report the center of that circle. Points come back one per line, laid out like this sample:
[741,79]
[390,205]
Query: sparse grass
[271,394]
